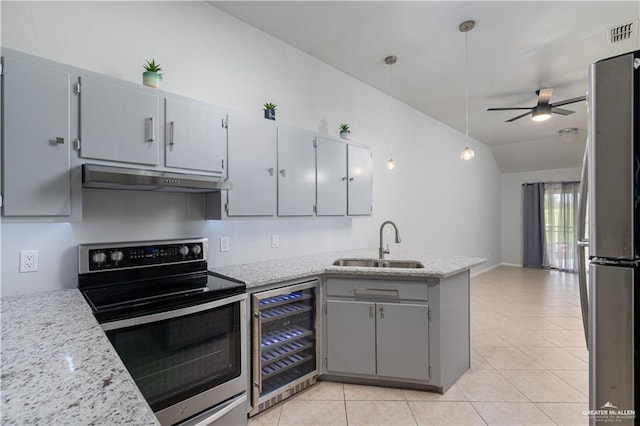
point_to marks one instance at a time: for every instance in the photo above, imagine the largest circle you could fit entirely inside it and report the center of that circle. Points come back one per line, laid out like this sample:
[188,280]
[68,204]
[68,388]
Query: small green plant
[269,105]
[152,66]
[344,127]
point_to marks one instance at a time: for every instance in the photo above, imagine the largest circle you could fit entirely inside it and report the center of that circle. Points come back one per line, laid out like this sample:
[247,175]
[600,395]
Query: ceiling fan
[543,110]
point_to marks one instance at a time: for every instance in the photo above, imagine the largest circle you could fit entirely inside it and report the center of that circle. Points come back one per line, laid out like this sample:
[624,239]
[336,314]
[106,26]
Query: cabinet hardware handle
[370,311]
[344,178]
[381,312]
[172,129]
[270,170]
[384,290]
[150,130]
[60,141]
[283,172]
[350,179]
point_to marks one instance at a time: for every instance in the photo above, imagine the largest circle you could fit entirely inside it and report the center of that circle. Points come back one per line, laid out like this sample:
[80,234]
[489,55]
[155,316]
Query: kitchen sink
[377,263]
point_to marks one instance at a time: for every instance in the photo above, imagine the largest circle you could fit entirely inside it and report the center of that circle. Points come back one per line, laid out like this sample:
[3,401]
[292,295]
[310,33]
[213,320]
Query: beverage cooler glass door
[285,342]
[191,357]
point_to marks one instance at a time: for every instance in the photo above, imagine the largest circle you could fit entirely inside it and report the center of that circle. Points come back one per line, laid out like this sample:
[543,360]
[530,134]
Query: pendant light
[467,153]
[390,60]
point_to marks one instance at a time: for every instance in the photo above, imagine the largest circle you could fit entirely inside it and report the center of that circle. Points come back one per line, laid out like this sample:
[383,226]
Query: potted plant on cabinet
[345,132]
[151,76]
[270,111]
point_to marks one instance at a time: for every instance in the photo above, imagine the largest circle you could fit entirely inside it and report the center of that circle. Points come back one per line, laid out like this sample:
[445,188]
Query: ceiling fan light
[541,114]
[467,154]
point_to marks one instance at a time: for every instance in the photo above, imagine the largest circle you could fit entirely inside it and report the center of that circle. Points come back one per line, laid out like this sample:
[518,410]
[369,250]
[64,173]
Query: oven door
[187,360]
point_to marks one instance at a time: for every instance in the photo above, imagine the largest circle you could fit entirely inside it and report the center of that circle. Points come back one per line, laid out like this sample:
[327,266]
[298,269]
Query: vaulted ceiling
[515,49]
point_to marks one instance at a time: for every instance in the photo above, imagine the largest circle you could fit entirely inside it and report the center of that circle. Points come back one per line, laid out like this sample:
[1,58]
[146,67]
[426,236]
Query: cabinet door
[296,172]
[36,118]
[118,122]
[195,136]
[360,187]
[331,175]
[351,337]
[252,165]
[403,340]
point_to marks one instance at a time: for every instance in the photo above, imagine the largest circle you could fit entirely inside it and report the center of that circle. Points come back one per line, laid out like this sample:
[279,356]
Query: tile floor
[528,366]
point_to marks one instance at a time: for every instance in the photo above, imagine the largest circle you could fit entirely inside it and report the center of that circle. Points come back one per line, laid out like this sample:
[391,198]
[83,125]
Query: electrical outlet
[275,241]
[224,243]
[28,260]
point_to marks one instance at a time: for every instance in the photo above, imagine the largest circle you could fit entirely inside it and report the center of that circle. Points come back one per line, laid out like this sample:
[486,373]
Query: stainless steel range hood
[109,177]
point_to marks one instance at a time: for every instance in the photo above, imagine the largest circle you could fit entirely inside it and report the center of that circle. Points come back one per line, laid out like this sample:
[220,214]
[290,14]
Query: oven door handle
[160,316]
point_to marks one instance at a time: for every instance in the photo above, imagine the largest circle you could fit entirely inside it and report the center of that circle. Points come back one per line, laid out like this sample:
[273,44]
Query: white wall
[512,206]
[441,204]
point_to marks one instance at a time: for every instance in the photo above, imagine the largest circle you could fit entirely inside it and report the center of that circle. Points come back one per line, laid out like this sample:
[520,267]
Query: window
[560,210]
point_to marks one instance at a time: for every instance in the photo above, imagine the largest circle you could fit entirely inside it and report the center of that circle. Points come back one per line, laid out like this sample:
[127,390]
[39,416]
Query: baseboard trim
[475,272]
[488,268]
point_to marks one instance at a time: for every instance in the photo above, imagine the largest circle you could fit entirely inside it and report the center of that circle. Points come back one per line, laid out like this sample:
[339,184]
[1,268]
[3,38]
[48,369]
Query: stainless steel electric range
[179,329]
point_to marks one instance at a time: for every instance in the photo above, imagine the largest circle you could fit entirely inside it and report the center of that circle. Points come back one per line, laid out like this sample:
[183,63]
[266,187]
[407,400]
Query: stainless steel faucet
[381,250]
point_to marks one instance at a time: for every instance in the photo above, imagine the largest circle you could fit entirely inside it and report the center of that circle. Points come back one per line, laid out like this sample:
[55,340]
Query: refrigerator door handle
[582,245]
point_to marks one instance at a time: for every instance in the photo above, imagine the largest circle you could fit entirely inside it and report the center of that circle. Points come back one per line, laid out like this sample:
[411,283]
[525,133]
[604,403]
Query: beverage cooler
[285,343]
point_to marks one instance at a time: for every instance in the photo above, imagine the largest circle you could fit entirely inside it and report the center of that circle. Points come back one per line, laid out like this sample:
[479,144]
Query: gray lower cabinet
[36,139]
[402,340]
[383,339]
[351,327]
[119,121]
[195,135]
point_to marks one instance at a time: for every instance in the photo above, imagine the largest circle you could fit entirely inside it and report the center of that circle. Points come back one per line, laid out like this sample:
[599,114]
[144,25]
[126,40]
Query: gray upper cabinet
[119,121]
[360,181]
[331,177]
[296,172]
[195,135]
[251,152]
[36,139]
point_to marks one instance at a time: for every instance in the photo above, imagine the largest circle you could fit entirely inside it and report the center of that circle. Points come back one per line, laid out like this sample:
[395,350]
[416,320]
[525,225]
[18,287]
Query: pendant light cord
[391,106]
[466,90]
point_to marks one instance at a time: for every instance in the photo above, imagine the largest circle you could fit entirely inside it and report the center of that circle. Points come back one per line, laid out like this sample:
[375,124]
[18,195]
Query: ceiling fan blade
[569,101]
[544,96]
[507,109]
[561,111]
[519,116]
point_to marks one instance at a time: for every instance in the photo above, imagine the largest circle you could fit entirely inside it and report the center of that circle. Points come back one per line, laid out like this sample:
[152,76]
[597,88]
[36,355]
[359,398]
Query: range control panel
[95,257]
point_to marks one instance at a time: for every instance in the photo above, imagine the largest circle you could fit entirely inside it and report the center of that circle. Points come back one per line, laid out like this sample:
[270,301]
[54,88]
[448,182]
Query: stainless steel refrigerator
[611,189]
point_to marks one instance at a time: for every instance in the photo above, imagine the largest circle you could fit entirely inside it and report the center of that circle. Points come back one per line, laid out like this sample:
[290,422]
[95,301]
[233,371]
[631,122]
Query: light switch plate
[275,241]
[224,243]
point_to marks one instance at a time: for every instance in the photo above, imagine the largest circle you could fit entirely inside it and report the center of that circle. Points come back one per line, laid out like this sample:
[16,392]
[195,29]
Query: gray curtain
[533,224]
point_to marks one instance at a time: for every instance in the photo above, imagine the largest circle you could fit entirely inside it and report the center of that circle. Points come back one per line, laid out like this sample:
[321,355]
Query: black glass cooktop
[126,300]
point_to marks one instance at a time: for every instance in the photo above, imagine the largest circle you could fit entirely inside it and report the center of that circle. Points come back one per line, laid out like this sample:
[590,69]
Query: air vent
[622,32]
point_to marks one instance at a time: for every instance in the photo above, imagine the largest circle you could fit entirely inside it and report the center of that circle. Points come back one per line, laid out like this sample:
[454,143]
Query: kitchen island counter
[263,273]
[59,368]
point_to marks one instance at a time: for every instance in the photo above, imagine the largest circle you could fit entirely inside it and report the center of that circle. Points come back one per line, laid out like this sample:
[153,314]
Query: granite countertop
[258,274]
[59,368]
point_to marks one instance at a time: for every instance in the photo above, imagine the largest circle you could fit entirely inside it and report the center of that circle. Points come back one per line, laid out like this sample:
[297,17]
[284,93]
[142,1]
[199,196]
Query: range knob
[196,249]
[184,250]
[99,257]
[116,256]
